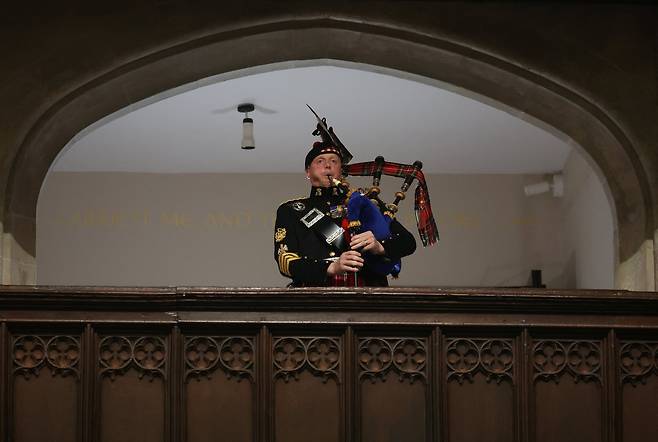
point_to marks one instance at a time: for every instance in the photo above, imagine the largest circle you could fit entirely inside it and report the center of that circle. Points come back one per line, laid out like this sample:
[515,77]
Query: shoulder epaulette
[294,199]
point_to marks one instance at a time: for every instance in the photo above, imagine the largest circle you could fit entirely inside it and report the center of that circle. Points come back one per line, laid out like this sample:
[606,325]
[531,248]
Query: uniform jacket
[302,254]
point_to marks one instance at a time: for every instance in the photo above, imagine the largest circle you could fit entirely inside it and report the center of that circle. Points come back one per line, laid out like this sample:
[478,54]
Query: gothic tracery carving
[492,357]
[405,356]
[149,353]
[322,354]
[580,359]
[60,353]
[638,360]
[292,355]
[234,355]
[146,354]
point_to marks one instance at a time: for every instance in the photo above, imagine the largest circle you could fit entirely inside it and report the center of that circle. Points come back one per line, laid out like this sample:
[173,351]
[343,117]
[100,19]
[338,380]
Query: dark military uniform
[303,255]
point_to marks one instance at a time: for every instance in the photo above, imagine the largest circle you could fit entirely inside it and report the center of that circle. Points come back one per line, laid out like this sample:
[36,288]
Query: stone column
[18,267]
[639,271]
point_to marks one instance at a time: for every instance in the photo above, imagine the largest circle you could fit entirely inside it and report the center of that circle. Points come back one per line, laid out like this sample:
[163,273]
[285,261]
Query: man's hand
[366,242]
[348,262]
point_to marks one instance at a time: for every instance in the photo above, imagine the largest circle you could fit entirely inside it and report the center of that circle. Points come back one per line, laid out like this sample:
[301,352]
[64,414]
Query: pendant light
[248,142]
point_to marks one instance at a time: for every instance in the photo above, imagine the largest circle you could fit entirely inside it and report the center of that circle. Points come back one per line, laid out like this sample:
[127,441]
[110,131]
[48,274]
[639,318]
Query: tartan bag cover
[427,229]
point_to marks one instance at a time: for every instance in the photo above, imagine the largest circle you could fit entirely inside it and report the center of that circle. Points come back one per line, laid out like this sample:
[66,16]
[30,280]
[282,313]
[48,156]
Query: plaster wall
[589,236]
[209,229]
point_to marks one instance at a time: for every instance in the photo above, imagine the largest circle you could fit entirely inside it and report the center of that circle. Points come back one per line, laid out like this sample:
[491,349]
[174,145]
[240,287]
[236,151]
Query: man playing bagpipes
[344,237]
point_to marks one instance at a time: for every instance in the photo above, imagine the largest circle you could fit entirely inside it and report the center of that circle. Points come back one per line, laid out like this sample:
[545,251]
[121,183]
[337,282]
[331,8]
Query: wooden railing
[375,365]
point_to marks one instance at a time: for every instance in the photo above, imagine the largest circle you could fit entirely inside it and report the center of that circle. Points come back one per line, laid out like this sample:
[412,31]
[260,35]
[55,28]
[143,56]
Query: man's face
[321,166]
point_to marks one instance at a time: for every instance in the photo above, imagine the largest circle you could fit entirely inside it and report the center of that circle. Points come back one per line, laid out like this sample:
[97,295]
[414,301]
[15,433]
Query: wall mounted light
[557,186]
[248,141]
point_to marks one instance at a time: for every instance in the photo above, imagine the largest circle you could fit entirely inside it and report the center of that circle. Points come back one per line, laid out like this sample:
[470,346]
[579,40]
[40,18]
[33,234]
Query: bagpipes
[366,211]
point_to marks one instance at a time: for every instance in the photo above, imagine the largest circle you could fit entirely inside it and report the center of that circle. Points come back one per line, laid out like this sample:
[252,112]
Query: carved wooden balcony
[372,365]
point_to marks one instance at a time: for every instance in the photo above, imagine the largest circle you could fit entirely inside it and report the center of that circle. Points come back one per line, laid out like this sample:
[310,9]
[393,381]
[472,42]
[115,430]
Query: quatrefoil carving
[60,354]
[638,360]
[580,359]
[320,355]
[492,357]
[233,354]
[146,354]
[405,356]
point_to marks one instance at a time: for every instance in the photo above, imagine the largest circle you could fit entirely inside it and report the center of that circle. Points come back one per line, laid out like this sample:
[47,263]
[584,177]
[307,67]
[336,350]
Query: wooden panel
[132,388]
[46,381]
[45,405]
[132,409]
[480,388]
[640,411]
[393,389]
[480,410]
[568,411]
[568,399]
[307,373]
[306,408]
[639,365]
[393,411]
[219,409]
[219,388]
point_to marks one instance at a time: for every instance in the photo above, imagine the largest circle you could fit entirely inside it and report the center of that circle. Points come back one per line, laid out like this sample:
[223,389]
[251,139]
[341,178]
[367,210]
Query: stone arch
[450,62]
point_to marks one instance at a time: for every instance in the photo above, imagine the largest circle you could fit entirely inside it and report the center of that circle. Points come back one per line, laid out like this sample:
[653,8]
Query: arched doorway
[404,50]
[161,195]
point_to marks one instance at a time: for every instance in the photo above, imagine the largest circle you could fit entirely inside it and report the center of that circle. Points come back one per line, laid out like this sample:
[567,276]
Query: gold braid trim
[284,262]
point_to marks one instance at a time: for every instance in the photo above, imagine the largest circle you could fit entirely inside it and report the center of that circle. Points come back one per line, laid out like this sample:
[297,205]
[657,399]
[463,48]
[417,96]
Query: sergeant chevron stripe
[284,262]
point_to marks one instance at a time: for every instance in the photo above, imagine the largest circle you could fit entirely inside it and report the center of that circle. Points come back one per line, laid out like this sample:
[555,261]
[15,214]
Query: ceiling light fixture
[248,142]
